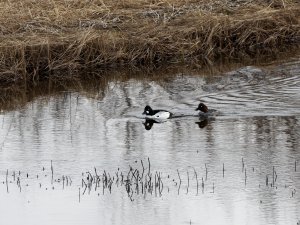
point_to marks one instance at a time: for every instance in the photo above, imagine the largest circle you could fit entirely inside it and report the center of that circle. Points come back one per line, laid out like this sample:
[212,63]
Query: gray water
[240,167]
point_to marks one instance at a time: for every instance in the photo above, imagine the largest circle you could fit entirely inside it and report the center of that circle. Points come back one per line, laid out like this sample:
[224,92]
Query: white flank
[160,115]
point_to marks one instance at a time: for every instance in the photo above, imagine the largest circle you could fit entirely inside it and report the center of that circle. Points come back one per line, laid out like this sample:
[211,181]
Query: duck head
[202,107]
[148,110]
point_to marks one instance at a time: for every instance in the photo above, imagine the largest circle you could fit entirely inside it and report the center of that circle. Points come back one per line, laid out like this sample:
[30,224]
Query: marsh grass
[39,38]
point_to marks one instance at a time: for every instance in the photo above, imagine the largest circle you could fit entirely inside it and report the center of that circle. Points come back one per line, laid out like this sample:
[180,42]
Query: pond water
[80,157]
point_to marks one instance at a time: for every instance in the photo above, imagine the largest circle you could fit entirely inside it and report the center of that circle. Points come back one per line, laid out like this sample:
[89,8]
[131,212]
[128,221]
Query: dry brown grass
[38,38]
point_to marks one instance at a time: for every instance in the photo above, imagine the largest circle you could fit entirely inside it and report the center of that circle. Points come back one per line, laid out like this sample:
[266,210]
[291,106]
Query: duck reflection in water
[202,123]
[148,124]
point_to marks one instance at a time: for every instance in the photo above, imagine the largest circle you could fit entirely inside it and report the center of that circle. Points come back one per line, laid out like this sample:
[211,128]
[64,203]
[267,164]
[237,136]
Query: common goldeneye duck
[204,111]
[159,114]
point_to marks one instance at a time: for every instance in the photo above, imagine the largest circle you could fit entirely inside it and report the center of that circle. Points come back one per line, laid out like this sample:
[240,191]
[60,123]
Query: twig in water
[243,165]
[51,173]
[143,170]
[223,170]
[188,177]
[6,181]
[83,182]
[14,175]
[293,192]
[79,194]
[273,180]
[149,166]
[19,183]
[155,184]
[245,176]
[179,181]
[206,172]
[196,180]
[69,181]
[161,185]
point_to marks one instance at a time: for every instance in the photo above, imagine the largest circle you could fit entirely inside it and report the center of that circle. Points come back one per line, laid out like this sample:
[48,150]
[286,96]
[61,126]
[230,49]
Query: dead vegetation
[39,38]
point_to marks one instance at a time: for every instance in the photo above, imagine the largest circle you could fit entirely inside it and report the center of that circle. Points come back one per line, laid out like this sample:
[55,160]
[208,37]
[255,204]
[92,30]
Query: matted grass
[38,38]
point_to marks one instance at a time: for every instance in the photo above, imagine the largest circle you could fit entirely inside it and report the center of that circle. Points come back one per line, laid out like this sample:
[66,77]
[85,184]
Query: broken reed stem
[206,172]
[6,181]
[243,165]
[51,173]
[79,194]
[188,177]
[155,182]
[179,181]
[149,166]
[223,170]
[245,176]
[19,183]
[197,182]
[273,177]
[143,169]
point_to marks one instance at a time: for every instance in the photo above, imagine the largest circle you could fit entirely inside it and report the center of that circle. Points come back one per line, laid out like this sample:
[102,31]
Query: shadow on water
[242,165]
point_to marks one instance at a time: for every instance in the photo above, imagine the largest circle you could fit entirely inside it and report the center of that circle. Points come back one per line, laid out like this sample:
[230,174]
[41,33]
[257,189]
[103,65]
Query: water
[240,167]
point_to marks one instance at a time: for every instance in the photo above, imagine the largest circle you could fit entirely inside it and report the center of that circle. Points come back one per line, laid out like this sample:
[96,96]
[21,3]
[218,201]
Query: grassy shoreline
[39,38]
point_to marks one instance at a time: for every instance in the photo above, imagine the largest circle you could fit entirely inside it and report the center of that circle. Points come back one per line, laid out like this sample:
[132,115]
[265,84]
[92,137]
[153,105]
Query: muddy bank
[41,38]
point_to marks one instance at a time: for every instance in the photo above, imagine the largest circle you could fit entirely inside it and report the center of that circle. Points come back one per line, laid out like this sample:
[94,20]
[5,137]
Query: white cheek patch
[147,112]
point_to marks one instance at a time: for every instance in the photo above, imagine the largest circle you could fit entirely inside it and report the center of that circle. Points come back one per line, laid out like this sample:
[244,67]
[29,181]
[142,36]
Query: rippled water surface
[76,157]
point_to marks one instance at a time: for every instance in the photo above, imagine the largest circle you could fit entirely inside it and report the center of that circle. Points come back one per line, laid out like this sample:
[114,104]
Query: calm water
[241,167]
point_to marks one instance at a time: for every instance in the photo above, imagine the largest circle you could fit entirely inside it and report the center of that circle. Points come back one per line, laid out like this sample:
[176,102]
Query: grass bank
[39,38]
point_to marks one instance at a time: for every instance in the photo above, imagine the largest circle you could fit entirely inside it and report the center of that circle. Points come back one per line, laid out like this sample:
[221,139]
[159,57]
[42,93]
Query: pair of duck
[164,114]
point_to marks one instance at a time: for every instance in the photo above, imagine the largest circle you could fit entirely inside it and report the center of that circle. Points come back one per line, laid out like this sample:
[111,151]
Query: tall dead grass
[38,38]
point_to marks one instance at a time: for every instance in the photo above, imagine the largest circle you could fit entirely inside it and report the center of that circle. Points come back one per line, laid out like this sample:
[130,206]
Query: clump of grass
[39,38]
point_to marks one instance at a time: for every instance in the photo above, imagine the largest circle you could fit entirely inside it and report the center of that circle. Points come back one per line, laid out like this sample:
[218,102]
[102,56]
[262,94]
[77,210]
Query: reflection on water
[109,166]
